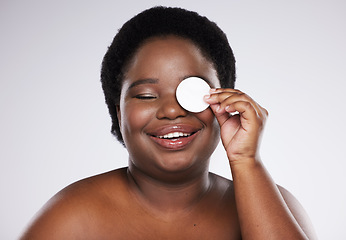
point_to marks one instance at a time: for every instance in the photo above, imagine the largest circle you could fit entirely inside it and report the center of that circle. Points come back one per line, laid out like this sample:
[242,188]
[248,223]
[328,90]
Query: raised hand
[240,132]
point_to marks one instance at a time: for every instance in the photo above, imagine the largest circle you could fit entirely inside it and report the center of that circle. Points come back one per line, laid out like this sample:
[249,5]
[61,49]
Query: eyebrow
[143,81]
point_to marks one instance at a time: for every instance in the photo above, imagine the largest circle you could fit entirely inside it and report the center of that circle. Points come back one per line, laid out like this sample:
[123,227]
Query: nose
[170,109]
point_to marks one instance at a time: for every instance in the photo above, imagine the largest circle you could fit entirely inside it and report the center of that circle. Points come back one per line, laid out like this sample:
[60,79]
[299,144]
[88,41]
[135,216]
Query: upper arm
[299,213]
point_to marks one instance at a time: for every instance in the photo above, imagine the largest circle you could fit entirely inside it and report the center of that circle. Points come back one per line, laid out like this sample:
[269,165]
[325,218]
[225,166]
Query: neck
[169,197]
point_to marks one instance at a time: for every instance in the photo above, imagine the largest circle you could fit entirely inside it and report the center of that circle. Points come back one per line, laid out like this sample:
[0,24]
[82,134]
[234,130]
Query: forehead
[172,58]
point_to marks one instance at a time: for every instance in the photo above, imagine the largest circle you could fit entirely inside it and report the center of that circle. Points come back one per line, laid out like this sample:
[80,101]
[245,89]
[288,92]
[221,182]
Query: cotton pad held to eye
[190,93]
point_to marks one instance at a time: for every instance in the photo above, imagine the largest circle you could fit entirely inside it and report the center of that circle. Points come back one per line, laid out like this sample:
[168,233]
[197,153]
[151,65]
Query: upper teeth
[175,134]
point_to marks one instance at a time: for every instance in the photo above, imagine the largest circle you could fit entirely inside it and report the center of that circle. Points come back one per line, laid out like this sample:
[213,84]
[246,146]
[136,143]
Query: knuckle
[266,112]
[248,105]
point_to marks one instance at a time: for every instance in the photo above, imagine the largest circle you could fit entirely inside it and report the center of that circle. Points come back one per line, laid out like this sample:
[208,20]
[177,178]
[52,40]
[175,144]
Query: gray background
[55,126]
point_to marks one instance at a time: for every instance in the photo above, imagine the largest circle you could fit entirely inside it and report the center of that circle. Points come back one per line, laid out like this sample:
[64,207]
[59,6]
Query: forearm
[263,213]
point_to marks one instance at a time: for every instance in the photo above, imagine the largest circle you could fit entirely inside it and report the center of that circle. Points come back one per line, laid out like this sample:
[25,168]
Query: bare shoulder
[222,184]
[298,212]
[222,191]
[74,209]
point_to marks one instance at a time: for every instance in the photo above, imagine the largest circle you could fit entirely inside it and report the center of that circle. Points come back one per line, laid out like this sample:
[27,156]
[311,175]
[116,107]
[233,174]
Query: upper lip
[166,129]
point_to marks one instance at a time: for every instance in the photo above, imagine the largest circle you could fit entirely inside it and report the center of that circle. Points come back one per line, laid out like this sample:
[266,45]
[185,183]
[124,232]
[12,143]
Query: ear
[118,115]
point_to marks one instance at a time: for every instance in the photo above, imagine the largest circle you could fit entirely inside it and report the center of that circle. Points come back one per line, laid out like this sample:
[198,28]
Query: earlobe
[118,115]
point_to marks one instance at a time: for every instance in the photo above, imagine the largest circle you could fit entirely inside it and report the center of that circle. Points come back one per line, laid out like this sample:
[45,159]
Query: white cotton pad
[190,93]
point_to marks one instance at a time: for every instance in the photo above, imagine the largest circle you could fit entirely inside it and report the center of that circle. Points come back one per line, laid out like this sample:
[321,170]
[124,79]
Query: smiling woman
[167,191]
[145,122]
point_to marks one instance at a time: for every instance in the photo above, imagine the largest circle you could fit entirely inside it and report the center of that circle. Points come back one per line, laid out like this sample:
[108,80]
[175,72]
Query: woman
[167,192]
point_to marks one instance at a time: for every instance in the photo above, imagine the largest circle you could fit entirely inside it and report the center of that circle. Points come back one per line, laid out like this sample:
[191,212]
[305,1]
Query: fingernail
[212,90]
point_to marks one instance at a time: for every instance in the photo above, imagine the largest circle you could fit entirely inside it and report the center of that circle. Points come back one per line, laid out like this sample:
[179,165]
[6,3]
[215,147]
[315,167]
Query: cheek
[134,118]
[208,118]
[215,136]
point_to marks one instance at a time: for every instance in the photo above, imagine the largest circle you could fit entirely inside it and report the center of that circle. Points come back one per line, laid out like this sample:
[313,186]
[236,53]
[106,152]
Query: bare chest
[138,224]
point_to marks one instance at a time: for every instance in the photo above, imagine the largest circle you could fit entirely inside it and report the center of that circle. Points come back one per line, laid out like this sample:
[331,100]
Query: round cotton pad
[190,93]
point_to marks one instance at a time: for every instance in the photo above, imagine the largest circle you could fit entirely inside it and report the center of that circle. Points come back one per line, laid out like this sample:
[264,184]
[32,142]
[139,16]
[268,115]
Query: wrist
[245,164]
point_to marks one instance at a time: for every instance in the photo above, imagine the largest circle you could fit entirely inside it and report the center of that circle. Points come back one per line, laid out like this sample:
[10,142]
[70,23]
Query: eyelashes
[145,96]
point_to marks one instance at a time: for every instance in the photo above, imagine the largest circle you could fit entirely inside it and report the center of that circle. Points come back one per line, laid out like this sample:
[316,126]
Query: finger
[219,97]
[227,98]
[249,116]
[246,109]
[219,90]
[220,117]
[222,98]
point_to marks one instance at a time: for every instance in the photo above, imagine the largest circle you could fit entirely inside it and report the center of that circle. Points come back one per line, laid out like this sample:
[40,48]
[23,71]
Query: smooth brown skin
[169,194]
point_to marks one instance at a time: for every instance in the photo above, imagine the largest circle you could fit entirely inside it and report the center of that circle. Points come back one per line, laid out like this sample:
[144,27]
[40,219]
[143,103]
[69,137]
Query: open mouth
[175,135]
[174,140]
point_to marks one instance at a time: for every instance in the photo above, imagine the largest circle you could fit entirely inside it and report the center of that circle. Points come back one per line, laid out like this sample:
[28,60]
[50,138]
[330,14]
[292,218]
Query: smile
[174,135]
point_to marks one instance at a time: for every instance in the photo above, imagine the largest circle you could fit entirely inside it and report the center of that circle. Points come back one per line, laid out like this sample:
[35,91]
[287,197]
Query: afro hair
[159,22]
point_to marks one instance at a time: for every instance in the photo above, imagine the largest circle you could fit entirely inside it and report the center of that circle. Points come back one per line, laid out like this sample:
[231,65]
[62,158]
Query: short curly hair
[159,22]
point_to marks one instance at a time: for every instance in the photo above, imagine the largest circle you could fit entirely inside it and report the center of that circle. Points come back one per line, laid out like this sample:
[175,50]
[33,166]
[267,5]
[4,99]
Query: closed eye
[145,96]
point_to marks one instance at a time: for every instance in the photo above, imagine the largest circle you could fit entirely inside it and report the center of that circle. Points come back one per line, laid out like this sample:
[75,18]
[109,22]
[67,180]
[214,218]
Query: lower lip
[175,144]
